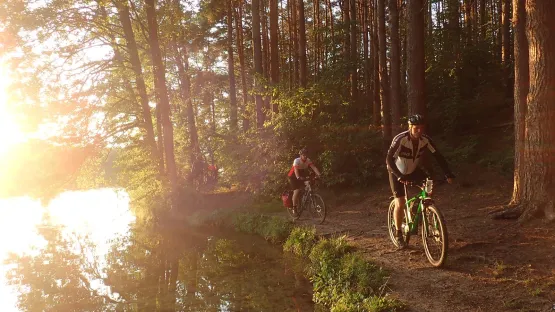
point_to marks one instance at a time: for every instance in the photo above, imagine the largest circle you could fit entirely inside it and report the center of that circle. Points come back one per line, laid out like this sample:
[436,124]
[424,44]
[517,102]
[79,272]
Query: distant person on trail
[298,174]
[403,158]
[213,173]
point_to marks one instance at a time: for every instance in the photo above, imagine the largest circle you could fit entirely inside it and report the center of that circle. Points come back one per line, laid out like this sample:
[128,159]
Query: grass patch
[300,241]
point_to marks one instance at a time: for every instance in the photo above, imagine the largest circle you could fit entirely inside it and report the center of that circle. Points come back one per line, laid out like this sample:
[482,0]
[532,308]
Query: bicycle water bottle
[428,187]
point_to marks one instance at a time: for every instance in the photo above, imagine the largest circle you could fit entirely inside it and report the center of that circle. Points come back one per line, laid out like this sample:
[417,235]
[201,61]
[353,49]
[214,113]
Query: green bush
[300,241]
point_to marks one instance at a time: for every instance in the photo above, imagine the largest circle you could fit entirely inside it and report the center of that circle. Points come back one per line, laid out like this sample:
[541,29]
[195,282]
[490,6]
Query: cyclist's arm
[390,159]
[439,158]
[315,169]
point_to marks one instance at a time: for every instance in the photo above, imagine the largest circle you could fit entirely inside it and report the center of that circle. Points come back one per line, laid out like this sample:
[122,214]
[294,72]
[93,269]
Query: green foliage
[300,241]
[346,153]
[344,280]
[274,229]
[383,304]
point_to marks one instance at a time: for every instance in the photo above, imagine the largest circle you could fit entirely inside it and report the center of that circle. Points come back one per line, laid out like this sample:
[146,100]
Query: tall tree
[274,42]
[483,20]
[161,92]
[538,184]
[354,55]
[231,68]
[241,51]
[416,61]
[274,47]
[376,109]
[122,8]
[534,183]
[506,42]
[384,79]
[257,50]
[303,72]
[367,29]
[395,67]
[522,85]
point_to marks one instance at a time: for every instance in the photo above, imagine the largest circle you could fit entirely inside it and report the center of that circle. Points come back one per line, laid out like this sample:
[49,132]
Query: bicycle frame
[423,198]
[306,192]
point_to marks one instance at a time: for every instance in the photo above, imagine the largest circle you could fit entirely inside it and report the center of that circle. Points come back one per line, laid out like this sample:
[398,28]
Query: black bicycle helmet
[303,151]
[416,120]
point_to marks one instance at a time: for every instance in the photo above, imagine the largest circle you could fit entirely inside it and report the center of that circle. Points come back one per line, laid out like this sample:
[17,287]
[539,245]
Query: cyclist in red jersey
[298,173]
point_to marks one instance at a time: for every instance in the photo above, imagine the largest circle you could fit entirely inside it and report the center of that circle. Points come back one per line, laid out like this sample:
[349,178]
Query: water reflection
[113,264]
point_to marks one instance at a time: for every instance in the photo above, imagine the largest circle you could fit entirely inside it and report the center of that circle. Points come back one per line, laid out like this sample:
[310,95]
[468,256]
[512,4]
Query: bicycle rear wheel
[392,228]
[434,235]
[317,208]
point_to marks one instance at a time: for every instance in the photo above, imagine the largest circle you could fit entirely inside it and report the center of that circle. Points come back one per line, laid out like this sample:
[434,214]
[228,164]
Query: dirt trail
[491,265]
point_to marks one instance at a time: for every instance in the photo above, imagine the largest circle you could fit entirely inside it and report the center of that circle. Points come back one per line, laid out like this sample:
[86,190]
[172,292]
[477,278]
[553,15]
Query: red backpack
[287,198]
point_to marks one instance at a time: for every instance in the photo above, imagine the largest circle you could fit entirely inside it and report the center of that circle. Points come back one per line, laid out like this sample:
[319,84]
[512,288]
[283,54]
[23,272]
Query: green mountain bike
[421,209]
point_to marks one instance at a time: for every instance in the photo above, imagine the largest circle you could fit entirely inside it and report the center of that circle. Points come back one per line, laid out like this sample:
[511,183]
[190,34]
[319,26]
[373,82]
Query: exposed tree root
[524,212]
[509,211]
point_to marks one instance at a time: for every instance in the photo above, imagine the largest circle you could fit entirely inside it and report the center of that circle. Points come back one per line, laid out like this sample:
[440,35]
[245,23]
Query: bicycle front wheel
[434,235]
[391,226]
[317,208]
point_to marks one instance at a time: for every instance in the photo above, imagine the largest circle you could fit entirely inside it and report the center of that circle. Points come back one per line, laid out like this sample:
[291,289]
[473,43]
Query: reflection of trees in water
[59,277]
[145,272]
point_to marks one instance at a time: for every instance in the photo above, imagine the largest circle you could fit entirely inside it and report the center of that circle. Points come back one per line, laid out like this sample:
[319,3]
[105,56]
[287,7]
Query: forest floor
[492,265]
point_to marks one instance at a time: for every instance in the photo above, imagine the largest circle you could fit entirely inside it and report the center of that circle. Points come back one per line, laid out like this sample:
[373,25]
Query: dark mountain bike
[311,201]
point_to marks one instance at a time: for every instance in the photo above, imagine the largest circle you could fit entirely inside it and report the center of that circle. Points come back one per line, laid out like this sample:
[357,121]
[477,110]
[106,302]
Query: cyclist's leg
[296,185]
[398,190]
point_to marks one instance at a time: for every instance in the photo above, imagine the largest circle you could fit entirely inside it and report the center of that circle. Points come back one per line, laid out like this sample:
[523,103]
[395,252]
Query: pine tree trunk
[136,66]
[506,43]
[295,37]
[162,92]
[483,20]
[376,111]
[290,29]
[384,78]
[353,58]
[332,32]
[274,47]
[241,51]
[499,27]
[538,184]
[303,74]
[231,69]
[257,63]
[416,58]
[182,68]
[367,61]
[395,67]
[522,84]
[274,41]
[403,36]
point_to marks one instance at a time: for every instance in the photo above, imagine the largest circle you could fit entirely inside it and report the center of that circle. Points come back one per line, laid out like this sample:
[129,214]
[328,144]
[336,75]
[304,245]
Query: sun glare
[10,133]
